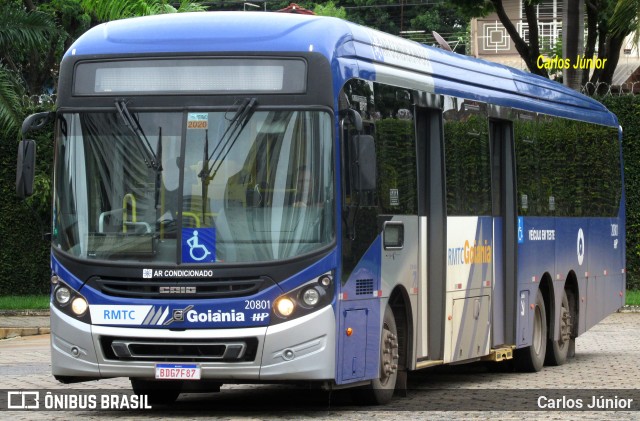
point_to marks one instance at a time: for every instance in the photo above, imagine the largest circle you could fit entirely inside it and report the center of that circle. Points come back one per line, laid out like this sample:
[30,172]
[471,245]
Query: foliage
[608,23]
[558,177]
[33,41]
[24,302]
[627,108]
[625,18]
[21,29]
[24,255]
[119,9]
[468,170]
[632,298]
[330,9]
[22,34]
[396,155]
[11,102]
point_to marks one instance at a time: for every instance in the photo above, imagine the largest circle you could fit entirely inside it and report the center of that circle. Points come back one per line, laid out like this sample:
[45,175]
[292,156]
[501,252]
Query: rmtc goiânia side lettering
[470,254]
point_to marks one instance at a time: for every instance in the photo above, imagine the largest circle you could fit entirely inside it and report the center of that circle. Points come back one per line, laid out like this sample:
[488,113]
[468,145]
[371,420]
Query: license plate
[178,371]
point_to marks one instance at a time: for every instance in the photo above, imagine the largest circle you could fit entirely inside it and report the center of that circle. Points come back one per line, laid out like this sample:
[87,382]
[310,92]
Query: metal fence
[602,89]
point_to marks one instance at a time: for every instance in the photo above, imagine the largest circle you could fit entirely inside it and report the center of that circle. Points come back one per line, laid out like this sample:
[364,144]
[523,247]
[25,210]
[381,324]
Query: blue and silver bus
[253,197]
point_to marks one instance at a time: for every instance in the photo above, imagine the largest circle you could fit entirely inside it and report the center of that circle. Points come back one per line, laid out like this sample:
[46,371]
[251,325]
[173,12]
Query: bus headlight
[63,295]
[305,299]
[79,306]
[69,301]
[311,297]
[285,306]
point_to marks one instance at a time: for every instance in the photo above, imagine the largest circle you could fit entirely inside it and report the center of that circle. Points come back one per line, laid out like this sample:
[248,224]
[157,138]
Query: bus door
[470,244]
[467,231]
[505,231]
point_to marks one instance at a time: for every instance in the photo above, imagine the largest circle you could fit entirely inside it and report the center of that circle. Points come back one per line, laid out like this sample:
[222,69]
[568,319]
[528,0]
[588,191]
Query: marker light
[285,306]
[79,306]
[325,281]
[311,297]
[63,295]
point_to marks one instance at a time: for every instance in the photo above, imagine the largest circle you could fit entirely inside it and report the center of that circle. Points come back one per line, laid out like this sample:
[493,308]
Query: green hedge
[24,254]
[627,108]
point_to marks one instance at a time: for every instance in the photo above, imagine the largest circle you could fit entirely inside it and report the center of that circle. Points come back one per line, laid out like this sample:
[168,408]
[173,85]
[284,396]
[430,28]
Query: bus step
[500,354]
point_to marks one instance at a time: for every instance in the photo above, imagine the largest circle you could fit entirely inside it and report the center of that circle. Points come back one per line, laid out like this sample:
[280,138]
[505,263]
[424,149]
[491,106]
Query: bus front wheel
[532,357]
[380,391]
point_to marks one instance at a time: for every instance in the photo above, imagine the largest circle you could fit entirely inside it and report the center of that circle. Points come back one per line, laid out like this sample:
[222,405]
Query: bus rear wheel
[380,391]
[532,357]
[557,351]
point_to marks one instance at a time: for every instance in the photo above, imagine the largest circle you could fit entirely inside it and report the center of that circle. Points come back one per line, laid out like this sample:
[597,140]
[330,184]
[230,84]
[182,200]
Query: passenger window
[467,157]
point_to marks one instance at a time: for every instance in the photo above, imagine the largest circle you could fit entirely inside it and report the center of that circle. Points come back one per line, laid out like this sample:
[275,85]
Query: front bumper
[300,349]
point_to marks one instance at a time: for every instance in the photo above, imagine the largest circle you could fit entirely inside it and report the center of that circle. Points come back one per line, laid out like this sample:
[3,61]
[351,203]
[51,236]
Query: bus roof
[358,51]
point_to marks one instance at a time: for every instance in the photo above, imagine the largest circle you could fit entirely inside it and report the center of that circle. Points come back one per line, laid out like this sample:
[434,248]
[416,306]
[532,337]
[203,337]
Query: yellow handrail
[134,218]
[192,215]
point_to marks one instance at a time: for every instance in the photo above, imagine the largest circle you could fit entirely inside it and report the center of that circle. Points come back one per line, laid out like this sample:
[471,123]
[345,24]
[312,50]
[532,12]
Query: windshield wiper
[227,140]
[150,158]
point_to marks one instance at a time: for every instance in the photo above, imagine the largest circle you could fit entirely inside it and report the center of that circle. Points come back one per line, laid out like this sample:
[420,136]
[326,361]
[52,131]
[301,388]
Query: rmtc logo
[110,314]
[177,290]
[119,315]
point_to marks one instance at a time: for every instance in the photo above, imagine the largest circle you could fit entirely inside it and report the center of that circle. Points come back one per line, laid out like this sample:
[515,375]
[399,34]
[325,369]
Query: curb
[629,309]
[16,332]
[13,313]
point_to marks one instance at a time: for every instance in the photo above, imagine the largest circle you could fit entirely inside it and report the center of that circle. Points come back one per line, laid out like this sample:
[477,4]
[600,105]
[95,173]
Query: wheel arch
[548,295]
[573,292]
[401,307]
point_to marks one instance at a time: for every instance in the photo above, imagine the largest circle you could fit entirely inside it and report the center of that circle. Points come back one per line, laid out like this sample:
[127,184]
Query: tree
[572,41]
[22,33]
[330,9]
[608,23]
[616,20]
[35,34]
[528,51]
[106,11]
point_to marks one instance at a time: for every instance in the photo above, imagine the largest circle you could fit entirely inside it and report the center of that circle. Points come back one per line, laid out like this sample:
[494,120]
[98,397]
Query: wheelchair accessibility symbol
[520,230]
[197,249]
[198,245]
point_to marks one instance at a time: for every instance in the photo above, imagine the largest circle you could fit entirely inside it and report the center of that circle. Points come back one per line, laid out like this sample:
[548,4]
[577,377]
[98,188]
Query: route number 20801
[257,304]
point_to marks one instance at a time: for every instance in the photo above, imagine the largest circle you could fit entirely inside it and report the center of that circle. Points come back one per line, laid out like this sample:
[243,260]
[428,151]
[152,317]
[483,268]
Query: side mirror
[26,168]
[36,122]
[355,117]
[365,160]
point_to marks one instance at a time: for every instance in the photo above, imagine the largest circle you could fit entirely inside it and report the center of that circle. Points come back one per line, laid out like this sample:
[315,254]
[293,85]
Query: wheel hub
[389,359]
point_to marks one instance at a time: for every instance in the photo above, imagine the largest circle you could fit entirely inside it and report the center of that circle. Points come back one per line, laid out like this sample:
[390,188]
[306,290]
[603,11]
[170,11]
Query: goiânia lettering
[470,254]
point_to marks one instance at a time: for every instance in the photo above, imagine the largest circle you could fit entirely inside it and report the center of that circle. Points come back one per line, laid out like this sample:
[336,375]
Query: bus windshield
[139,186]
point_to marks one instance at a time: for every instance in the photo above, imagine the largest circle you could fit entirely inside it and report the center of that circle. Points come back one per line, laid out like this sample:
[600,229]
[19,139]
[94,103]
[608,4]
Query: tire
[557,351]
[159,392]
[531,358]
[380,391]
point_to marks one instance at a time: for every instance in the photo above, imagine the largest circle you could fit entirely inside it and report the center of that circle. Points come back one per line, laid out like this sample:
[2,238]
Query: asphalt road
[606,367]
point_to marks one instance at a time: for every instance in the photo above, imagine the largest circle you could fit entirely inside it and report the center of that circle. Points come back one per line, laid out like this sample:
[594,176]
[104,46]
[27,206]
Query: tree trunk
[572,41]
[614,44]
[528,52]
[592,34]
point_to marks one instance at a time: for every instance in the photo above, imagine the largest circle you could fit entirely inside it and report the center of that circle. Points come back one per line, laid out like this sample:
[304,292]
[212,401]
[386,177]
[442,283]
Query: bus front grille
[179,350]
[184,289]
